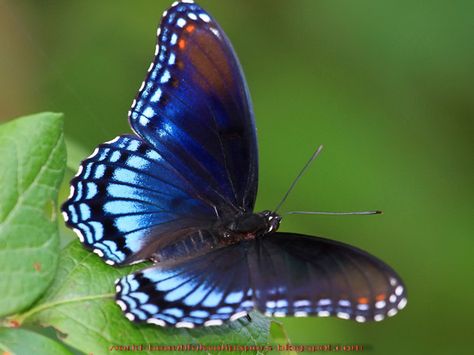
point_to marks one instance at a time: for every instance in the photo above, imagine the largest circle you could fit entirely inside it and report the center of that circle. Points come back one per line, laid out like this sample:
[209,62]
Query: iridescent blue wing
[298,275]
[205,290]
[195,161]
[194,108]
[127,201]
[280,275]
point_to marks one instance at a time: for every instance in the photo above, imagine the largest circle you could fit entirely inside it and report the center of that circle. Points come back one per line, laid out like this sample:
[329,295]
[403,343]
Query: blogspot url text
[240,348]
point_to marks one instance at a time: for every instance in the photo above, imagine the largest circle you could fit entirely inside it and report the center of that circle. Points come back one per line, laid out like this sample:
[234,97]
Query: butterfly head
[273,220]
[251,225]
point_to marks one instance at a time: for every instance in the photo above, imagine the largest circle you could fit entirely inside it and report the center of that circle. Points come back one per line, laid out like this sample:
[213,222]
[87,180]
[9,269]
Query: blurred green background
[387,87]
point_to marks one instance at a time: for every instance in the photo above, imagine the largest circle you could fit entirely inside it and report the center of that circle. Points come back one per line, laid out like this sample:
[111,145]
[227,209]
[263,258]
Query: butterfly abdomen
[196,243]
[242,227]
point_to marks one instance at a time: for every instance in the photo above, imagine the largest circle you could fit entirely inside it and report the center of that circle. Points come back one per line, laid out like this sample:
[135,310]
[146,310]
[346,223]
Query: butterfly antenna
[336,213]
[298,177]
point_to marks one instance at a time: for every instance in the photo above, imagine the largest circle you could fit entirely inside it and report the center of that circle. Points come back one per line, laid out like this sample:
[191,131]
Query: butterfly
[181,192]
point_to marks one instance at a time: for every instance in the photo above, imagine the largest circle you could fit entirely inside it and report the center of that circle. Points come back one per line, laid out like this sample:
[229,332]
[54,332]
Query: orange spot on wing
[190,28]
[363,300]
[181,44]
[380,297]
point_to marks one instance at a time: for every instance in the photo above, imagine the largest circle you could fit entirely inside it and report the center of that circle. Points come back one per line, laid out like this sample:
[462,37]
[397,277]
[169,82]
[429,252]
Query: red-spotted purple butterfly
[181,193]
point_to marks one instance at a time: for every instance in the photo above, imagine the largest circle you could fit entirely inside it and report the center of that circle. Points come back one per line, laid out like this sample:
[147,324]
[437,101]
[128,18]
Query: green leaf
[80,305]
[31,168]
[75,154]
[280,339]
[20,341]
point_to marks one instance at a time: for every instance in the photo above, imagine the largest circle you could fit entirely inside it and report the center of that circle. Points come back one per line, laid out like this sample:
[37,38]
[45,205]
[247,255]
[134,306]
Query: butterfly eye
[274,223]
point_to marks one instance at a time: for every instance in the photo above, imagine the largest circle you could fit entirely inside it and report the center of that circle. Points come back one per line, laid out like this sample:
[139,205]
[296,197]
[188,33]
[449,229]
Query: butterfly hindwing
[194,108]
[204,290]
[280,275]
[126,201]
[301,276]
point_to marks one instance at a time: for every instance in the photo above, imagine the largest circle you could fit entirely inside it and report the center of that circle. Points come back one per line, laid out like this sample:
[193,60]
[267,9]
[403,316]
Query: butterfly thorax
[245,226]
[249,226]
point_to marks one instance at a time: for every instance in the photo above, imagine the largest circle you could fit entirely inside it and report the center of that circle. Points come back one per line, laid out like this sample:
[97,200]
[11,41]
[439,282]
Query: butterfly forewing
[127,201]
[194,108]
[195,160]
